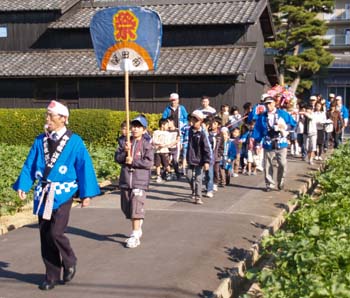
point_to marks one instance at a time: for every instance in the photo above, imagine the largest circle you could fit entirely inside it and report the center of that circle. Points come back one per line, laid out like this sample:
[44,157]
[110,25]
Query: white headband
[58,108]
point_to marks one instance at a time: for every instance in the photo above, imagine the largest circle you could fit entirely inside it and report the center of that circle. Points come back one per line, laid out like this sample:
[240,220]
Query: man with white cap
[179,114]
[330,100]
[313,100]
[61,165]
[272,128]
[177,111]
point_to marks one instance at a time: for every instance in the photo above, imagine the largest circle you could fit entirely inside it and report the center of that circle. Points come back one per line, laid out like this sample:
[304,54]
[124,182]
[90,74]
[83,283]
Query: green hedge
[12,158]
[21,126]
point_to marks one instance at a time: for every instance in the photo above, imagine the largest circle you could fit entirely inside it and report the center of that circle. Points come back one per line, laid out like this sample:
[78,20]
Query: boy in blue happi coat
[228,156]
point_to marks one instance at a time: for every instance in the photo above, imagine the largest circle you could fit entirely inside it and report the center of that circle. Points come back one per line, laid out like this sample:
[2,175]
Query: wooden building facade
[212,48]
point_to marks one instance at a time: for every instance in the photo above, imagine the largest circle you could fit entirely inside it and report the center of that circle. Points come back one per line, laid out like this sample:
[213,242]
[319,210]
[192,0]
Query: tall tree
[299,44]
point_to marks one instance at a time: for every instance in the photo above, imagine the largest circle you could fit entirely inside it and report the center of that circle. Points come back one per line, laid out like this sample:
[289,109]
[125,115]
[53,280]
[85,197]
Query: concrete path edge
[230,286]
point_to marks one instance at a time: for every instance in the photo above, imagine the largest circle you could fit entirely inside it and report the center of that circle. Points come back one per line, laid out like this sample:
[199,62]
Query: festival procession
[201,155]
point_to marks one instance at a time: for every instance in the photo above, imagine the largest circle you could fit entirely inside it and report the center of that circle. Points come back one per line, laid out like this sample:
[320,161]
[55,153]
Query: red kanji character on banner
[125,25]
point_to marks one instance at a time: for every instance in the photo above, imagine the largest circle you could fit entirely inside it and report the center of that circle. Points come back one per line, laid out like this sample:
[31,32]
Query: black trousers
[55,246]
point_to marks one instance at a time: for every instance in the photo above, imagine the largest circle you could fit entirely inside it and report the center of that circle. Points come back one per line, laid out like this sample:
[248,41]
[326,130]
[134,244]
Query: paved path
[186,250]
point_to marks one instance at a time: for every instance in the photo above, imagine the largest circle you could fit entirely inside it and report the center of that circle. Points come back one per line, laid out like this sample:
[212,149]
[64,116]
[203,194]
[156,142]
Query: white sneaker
[316,158]
[199,201]
[209,194]
[235,175]
[159,179]
[136,233]
[133,242]
[320,158]
[215,187]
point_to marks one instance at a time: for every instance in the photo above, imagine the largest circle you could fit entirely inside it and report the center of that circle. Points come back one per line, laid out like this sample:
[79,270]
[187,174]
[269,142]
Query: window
[347,11]
[67,89]
[16,88]
[3,31]
[101,88]
[141,91]
[347,36]
[197,90]
[347,97]
[163,90]
[45,90]
[331,36]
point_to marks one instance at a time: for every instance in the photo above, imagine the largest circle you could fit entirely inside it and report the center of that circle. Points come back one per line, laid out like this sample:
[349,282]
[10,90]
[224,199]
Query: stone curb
[230,286]
[11,222]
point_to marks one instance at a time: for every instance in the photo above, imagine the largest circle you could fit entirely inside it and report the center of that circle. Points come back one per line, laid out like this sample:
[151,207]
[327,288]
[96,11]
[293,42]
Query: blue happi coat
[229,155]
[261,130]
[72,171]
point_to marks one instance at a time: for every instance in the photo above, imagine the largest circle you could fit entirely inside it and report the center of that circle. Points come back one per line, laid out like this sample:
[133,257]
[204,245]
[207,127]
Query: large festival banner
[126,38]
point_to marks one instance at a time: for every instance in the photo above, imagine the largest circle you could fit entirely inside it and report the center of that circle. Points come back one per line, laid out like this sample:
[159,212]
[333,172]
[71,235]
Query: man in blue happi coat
[61,165]
[271,129]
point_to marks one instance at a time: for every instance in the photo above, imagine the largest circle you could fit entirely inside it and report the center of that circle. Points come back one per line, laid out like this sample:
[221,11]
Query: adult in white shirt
[320,118]
[205,108]
[310,132]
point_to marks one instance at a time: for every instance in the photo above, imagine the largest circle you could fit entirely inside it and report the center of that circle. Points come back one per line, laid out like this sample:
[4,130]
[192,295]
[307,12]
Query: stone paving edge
[230,287]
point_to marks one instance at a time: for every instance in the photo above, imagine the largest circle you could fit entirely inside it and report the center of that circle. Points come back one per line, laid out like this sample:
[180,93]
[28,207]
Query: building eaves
[36,5]
[340,61]
[201,13]
[194,61]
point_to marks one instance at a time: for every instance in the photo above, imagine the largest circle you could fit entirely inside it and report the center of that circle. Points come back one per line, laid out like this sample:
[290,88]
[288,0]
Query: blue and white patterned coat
[72,171]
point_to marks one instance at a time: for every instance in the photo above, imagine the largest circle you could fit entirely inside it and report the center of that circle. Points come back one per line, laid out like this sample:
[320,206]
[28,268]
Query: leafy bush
[100,127]
[311,254]
[11,162]
[103,160]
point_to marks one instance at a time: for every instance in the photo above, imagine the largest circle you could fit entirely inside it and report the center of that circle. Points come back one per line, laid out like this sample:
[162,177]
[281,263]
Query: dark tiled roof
[20,5]
[227,12]
[193,61]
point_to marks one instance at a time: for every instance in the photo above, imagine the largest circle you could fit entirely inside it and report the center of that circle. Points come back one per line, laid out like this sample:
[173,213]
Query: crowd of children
[320,122]
[211,148]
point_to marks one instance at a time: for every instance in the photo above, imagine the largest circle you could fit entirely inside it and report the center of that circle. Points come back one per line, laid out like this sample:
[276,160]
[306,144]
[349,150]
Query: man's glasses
[51,115]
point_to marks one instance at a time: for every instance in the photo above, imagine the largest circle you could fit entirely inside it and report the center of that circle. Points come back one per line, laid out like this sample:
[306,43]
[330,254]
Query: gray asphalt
[186,249]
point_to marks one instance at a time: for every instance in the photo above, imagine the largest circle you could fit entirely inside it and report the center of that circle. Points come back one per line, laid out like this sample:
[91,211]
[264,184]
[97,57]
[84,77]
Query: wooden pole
[126,76]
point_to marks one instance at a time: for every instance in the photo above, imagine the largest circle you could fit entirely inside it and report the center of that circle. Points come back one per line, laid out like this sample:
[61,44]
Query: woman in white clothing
[320,118]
